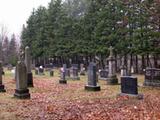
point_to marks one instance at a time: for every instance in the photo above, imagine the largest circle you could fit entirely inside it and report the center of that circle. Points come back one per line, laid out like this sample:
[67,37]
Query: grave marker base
[2,88]
[92,88]
[30,79]
[82,73]
[62,81]
[22,94]
[132,96]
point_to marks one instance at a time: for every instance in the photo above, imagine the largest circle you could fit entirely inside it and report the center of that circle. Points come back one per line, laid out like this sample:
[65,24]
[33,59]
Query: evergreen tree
[13,56]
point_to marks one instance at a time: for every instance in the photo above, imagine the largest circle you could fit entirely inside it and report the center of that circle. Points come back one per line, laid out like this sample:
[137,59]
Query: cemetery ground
[53,101]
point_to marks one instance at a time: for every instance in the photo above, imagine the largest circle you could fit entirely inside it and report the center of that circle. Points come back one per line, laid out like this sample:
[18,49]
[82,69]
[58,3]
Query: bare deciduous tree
[3,34]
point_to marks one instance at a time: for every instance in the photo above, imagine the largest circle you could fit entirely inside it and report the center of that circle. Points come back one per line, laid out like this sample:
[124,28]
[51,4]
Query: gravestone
[51,73]
[1,84]
[13,71]
[36,71]
[62,77]
[28,66]
[49,67]
[41,70]
[92,78]
[103,74]
[152,77]
[21,91]
[67,73]
[129,87]
[64,67]
[82,69]
[112,78]
[123,70]
[74,72]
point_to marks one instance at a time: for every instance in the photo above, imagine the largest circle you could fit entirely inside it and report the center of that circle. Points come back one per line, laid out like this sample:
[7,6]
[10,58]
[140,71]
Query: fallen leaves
[53,101]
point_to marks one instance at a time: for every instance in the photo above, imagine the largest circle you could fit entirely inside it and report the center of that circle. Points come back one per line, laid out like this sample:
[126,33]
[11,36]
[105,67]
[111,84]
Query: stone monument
[152,77]
[62,76]
[21,91]
[103,74]
[28,66]
[123,68]
[112,78]
[74,72]
[129,87]
[82,69]
[92,78]
[1,84]
[51,73]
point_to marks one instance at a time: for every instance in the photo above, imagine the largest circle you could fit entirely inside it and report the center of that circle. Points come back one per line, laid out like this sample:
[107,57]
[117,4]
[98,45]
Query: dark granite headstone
[51,73]
[103,74]
[129,85]
[92,78]
[152,77]
[1,84]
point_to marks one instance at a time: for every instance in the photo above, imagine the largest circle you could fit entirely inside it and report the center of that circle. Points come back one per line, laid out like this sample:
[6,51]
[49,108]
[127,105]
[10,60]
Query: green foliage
[89,27]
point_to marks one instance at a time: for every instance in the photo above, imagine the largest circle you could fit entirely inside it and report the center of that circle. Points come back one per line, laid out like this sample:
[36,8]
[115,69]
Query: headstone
[129,87]
[28,66]
[92,78]
[1,84]
[41,70]
[67,73]
[123,70]
[64,67]
[62,77]
[51,73]
[21,91]
[49,67]
[36,71]
[13,71]
[74,73]
[152,77]
[112,78]
[103,74]
[82,69]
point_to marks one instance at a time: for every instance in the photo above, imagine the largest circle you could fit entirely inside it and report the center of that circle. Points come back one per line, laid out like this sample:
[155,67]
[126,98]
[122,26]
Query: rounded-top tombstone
[92,78]
[21,91]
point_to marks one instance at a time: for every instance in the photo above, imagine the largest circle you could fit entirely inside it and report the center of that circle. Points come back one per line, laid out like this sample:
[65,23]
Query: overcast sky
[14,13]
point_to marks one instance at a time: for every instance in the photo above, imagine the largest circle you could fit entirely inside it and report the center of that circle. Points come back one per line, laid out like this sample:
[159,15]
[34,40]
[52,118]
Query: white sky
[14,13]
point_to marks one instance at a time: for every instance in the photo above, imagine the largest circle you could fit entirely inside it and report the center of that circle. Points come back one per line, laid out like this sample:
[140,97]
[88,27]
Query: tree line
[81,30]
[9,50]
